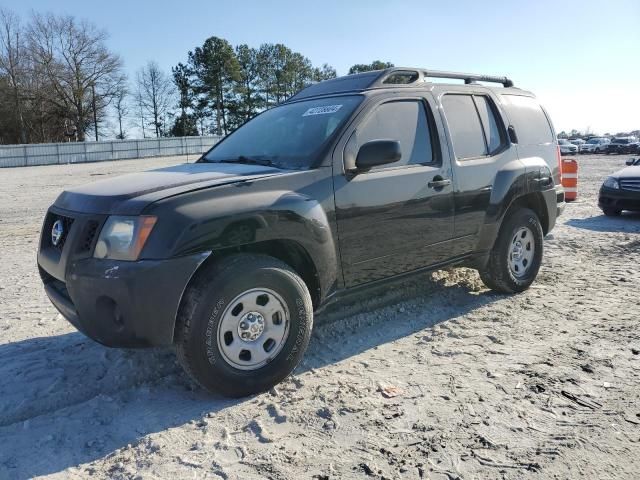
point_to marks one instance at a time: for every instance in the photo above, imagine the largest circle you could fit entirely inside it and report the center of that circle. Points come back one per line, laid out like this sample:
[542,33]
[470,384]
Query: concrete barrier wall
[82,152]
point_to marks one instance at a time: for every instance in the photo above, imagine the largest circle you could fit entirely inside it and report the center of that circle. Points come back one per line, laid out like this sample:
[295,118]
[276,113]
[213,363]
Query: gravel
[435,377]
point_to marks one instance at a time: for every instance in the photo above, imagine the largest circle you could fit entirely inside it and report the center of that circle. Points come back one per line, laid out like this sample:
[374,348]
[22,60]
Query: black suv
[349,183]
[623,145]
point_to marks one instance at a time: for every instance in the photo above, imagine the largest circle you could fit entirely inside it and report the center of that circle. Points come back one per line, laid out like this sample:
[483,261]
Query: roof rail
[419,74]
[395,76]
[468,77]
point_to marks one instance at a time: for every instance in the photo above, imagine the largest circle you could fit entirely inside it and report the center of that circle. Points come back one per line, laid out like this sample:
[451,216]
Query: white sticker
[322,110]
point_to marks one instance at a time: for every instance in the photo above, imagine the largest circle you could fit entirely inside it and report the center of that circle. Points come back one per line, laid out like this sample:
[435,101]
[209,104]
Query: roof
[390,77]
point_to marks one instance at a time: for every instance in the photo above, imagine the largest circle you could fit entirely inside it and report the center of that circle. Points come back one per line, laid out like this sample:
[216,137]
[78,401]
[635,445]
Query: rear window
[464,126]
[529,120]
[473,125]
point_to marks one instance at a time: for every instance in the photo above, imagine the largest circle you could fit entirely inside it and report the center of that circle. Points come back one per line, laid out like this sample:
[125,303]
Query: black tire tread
[611,212]
[495,275]
[194,295]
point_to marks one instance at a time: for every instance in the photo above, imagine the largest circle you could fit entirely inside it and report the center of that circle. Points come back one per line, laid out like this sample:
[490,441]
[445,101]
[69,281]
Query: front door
[397,217]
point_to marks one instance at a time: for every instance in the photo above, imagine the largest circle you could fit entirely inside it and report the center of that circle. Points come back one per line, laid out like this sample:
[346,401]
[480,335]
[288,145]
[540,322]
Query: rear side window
[473,124]
[405,122]
[531,123]
[493,133]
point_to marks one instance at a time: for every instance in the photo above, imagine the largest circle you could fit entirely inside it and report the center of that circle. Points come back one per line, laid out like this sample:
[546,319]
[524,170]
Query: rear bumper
[554,202]
[123,304]
[619,199]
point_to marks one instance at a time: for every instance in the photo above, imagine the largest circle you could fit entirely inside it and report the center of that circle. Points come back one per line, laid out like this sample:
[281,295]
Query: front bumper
[116,303]
[619,199]
[123,304]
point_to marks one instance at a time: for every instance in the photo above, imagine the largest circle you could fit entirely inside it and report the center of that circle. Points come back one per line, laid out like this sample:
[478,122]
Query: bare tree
[140,105]
[82,72]
[121,108]
[155,95]
[13,64]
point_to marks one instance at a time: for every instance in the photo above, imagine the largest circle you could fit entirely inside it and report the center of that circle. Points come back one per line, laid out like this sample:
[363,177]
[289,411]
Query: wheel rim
[522,252]
[253,329]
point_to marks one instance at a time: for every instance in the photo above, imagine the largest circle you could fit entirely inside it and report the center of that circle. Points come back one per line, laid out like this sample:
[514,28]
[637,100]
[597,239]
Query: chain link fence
[81,152]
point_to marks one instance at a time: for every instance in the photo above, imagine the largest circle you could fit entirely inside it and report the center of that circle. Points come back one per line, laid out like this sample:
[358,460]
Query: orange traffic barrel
[570,179]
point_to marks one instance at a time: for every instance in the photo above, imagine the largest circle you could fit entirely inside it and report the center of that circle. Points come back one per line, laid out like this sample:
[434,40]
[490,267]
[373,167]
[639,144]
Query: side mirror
[631,161]
[378,152]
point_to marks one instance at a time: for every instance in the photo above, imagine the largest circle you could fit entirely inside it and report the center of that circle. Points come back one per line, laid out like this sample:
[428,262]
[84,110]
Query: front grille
[90,230]
[630,184]
[52,218]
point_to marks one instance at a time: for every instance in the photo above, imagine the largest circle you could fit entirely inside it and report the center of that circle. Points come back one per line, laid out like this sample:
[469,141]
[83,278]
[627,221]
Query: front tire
[516,256]
[611,212]
[244,324]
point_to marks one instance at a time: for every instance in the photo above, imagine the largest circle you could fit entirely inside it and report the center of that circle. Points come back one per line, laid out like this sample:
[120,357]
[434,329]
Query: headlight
[122,238]
[611,182]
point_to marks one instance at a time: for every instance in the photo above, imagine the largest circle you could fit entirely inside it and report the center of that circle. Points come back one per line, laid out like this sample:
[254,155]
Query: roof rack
[397,76]
[469,77]
[419,74]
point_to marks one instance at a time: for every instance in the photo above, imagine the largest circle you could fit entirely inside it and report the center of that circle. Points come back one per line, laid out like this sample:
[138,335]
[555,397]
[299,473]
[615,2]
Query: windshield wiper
[249,160]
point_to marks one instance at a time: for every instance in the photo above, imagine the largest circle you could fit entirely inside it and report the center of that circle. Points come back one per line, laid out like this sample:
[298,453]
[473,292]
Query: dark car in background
[621,190]
[623,145]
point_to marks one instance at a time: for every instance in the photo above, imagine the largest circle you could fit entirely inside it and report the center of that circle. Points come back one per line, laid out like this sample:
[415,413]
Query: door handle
[439,182]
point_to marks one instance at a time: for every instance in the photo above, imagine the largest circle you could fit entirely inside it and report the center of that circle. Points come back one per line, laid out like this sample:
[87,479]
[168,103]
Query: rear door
[478,139]
[393,219]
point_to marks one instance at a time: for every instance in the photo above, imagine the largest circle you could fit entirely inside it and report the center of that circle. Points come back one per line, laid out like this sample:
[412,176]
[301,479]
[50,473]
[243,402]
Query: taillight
[559,163]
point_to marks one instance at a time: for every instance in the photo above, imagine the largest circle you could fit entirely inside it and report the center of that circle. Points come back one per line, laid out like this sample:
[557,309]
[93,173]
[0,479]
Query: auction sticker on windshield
[322,110]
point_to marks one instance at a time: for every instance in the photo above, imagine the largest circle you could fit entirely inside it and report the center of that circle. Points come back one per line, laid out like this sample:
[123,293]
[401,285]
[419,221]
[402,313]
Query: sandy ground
[545,384]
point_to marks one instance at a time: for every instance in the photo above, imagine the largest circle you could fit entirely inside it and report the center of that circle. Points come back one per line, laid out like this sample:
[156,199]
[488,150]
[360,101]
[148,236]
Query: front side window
[404,121]
[289,136]
[474,127]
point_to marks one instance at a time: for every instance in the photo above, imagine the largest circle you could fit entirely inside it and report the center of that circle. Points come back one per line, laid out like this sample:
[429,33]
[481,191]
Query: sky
[581,58]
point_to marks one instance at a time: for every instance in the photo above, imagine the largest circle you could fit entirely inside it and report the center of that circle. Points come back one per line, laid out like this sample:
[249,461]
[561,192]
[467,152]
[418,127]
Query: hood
[130,194]
[628,172]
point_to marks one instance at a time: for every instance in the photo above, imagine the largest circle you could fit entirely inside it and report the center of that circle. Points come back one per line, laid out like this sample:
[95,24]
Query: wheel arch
[533,201]
[288,251]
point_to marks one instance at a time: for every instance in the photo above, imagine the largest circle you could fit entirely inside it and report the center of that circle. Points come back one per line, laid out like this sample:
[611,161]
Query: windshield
[594,141]
[289,136]
[562,141]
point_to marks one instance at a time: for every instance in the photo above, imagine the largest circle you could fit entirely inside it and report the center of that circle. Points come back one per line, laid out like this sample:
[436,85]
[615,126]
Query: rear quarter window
[531,123]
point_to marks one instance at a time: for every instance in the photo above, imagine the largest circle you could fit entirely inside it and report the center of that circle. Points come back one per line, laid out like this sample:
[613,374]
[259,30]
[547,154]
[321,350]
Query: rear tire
[243,325]
[516,256]
[611,212]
